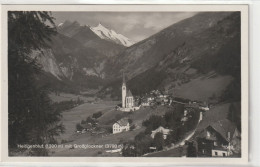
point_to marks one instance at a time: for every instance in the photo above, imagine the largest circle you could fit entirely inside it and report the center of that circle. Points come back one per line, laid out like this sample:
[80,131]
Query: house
[184,119]
[185,113]
[120,126]
[220,138]
[162,130]
[201,116]
[156,92]
[145,104]
[205,108]
[219,152]
[150,99]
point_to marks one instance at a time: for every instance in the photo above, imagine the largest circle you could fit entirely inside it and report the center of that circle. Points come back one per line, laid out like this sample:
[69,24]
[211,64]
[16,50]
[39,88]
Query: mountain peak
[109,34]
[100,30]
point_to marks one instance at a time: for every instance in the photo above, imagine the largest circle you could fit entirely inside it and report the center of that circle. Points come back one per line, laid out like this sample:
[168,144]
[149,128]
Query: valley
[80,143]
[178,84]
[187,65]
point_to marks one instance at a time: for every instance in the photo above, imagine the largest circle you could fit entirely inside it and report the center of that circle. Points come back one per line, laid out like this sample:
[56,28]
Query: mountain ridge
[76,55]
[180,54]
[156,46]
[70,29]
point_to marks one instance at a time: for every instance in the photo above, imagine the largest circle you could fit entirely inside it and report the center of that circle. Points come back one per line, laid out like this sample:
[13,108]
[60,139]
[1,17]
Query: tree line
[66,105]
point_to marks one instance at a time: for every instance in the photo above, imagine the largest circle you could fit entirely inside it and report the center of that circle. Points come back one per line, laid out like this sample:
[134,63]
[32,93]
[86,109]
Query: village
[157,123]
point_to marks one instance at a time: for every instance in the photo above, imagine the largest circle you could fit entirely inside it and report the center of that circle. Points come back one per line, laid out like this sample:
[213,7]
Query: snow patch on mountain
[105,33]
[61,24]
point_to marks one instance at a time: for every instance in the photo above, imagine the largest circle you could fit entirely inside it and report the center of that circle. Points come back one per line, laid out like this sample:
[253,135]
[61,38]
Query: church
[127,98]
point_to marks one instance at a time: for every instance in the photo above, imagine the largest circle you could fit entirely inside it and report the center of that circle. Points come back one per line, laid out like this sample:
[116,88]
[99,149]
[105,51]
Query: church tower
[123,92]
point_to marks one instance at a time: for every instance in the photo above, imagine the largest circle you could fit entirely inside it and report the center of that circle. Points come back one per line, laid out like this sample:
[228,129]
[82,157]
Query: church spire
[124,78]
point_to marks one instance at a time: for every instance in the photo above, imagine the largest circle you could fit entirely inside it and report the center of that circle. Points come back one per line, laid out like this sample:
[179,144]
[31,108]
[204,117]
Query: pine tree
[31,118]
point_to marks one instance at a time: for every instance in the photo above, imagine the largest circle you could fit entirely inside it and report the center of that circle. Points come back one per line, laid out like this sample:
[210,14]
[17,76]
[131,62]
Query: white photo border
[129,8]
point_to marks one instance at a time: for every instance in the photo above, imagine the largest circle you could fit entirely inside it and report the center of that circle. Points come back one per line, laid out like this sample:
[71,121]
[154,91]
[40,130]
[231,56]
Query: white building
[201,116]
[150,99]
[127,99]
[162,130]
[204,108]
[120,126]
[185,113]
[145,104]
[220,152]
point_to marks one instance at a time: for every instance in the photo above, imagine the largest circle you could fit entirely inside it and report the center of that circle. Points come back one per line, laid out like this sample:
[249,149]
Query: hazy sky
[134,25]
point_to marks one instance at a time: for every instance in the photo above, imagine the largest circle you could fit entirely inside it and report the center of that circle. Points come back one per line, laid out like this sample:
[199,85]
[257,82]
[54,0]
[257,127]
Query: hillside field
[68,96]
[202,88]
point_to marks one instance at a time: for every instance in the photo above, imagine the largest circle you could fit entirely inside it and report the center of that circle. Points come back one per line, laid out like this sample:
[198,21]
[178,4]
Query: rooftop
[128,93]
[161,129]
[223,127]
[123,122]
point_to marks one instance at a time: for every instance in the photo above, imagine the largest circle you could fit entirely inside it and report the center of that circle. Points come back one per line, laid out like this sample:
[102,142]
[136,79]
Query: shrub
[83,122]
[158,141]
[130,121]
[132,127]
[90,120]
[79,127]
[97,115]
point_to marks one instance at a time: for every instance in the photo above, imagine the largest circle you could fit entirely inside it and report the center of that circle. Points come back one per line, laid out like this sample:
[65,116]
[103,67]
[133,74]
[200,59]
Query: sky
[134,25]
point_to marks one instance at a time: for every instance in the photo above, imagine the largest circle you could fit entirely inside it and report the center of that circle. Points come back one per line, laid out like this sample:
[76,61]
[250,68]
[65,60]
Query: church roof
[128,93]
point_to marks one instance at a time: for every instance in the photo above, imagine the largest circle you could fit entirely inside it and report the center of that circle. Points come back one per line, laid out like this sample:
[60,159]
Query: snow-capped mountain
[77,56]
[105,33]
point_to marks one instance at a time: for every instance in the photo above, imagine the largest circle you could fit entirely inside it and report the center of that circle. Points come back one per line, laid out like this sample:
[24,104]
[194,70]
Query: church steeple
[123,92]
[124,84]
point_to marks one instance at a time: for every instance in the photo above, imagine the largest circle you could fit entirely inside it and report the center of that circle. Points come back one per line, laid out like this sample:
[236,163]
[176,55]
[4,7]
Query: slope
[182,58]
[146,54]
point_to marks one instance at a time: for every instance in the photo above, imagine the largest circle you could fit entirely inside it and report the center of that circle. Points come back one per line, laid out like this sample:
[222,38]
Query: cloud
[138,38]
[128,22]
